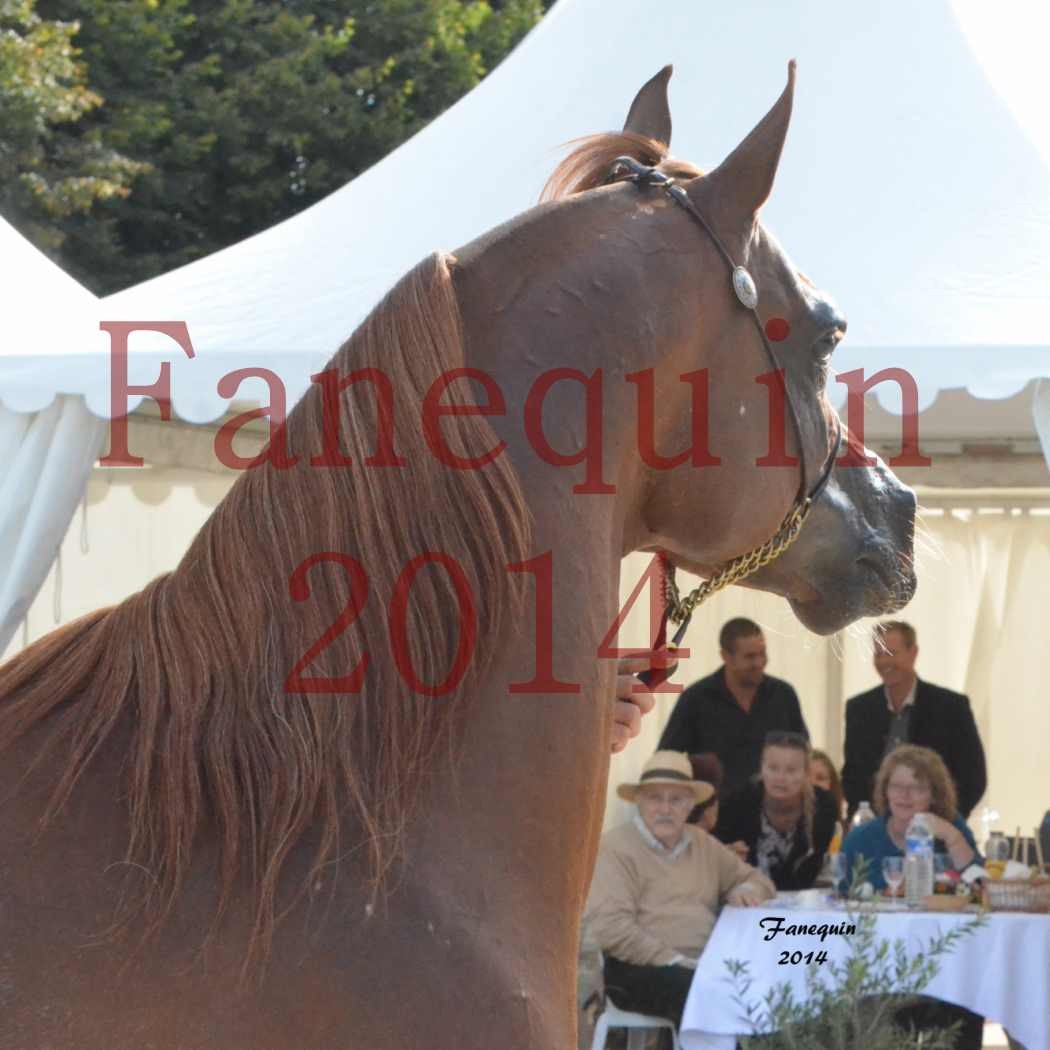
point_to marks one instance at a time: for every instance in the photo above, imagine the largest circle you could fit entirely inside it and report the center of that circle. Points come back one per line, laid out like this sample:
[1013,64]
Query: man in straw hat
[657,888]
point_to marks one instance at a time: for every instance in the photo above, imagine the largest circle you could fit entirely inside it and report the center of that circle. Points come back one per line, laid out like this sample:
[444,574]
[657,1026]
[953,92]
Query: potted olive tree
[851,1004]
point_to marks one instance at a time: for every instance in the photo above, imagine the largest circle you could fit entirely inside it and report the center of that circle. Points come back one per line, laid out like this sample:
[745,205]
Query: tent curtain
[980,617]
[980,614]
[45,461]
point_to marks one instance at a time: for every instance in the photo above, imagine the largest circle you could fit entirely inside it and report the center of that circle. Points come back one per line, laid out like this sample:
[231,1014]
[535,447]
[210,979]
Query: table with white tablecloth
[1001,970]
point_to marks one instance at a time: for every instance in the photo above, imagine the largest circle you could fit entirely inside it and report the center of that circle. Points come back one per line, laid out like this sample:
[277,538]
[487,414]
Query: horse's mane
[188,675]
[589,163]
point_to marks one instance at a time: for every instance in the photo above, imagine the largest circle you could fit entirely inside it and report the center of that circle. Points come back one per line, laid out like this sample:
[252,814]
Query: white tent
[915,185]
[908,187]
[46,453]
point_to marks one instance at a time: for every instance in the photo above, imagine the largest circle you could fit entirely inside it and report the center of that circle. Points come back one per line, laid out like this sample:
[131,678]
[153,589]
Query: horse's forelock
[591,159]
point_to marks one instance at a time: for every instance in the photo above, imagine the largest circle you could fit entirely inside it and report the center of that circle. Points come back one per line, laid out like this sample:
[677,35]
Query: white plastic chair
[636,1024]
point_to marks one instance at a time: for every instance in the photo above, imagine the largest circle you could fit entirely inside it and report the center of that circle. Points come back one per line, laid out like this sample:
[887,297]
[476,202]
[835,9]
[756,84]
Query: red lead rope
[658,675]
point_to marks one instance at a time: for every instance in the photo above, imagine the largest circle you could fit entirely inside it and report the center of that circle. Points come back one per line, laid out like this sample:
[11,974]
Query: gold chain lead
[680,609]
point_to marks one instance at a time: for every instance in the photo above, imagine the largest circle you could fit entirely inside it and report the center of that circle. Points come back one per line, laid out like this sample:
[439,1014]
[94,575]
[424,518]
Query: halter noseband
[679,610]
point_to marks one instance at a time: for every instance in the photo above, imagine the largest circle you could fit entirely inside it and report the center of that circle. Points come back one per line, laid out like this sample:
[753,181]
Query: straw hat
[671,768]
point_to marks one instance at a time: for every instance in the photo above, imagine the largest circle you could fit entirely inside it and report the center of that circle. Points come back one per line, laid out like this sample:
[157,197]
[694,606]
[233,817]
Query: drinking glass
[996,854]
[836,874]
[893,873]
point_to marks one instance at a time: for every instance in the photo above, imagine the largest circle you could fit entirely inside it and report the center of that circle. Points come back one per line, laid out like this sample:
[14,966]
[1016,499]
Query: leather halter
[680,610]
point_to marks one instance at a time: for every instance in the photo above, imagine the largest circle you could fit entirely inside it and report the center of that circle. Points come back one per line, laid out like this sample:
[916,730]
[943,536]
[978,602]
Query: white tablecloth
[1001,971]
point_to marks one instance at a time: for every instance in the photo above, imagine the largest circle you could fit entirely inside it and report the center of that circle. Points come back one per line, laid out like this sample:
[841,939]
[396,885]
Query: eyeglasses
[907,790]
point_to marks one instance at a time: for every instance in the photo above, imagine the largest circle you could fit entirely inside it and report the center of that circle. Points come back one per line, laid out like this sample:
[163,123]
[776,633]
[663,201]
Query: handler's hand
[745,896]
[944,830]
[630,705]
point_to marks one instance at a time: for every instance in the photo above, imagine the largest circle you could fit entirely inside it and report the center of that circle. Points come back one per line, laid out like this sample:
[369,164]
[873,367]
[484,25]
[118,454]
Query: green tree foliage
[247,111]
[50,168]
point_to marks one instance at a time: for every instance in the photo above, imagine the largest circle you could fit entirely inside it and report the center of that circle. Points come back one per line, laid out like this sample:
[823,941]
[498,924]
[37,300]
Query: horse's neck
[527,791]
[529,786]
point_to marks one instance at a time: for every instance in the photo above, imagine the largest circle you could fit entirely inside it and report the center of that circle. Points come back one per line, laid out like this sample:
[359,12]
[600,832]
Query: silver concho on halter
[744,287]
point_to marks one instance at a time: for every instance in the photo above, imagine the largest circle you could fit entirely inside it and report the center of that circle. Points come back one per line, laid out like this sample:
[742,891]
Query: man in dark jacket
[731,711]
[907,710]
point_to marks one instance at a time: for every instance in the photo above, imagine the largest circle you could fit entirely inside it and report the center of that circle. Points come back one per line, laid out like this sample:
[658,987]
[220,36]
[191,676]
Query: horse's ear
[649,114]
[743,181]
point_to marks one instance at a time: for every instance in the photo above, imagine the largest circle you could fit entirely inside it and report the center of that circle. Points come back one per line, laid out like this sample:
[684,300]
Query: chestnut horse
[337,781]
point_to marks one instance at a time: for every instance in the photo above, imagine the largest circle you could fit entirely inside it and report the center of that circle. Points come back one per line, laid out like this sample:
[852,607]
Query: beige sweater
[645,907]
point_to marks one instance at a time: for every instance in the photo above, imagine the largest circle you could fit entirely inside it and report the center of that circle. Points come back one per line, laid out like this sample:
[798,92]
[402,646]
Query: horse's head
[853,556]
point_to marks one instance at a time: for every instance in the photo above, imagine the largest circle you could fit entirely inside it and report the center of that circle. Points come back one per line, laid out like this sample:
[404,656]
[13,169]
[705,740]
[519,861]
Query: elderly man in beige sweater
[657,889]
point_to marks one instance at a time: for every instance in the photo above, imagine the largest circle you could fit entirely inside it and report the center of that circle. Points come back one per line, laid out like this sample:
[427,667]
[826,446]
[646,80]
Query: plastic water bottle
[918,861]
[863,815]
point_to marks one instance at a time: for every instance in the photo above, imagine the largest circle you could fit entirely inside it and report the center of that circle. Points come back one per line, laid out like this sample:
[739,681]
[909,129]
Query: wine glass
[893,873]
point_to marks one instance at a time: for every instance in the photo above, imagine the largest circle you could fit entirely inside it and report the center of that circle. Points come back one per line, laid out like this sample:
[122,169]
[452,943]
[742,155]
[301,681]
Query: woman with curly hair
[910,780]
[914,780]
